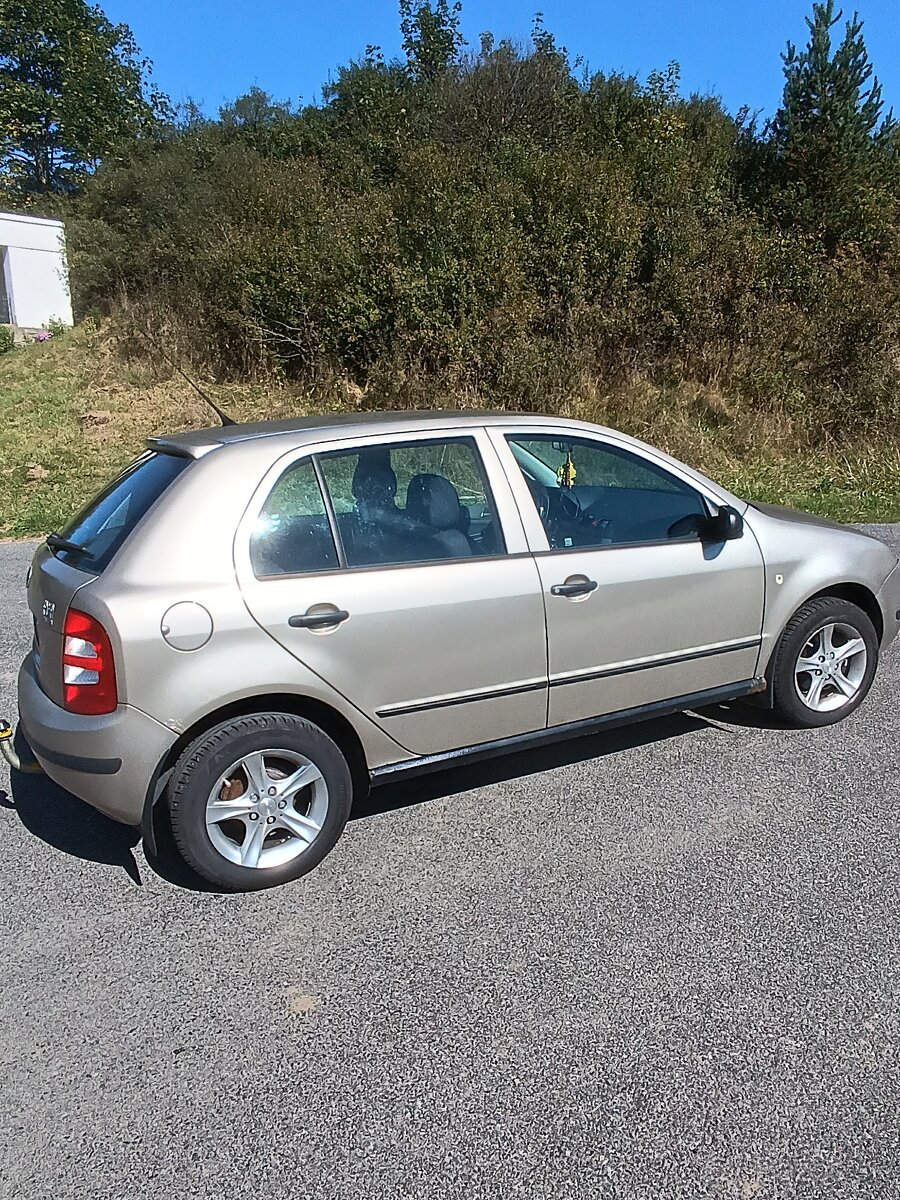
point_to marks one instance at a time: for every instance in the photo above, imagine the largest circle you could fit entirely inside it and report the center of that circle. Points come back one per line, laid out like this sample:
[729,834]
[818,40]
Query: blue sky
[212,50]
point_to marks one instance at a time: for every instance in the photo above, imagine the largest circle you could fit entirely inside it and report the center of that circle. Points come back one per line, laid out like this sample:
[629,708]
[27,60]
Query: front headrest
[374,481]
[433,500]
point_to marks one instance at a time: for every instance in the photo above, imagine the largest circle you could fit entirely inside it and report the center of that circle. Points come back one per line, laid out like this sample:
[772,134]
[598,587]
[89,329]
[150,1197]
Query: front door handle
[318,620]
[581,588]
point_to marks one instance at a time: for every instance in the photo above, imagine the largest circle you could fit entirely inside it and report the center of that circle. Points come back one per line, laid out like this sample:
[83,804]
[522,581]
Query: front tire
[825,663]
[259,800]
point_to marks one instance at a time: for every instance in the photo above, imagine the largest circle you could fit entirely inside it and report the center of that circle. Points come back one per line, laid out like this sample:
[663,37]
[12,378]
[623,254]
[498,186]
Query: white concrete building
[34,280]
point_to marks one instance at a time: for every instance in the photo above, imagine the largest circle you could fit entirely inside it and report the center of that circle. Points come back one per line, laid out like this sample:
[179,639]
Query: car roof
[296,430]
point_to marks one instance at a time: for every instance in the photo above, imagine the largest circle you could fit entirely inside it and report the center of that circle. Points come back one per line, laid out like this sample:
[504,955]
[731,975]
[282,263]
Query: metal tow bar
[6,749]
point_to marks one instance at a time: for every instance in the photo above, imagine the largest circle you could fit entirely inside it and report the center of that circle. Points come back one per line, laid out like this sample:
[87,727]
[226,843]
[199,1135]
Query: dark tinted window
[103,526]
[412,502]
[292,534]
[591,494]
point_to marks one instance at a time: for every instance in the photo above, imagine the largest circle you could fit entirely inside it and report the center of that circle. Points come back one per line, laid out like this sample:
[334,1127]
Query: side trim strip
[559,733]
[402,710]
[645,664]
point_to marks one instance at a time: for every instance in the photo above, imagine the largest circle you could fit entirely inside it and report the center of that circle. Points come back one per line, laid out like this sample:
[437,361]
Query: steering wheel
[541,497]
[567,505]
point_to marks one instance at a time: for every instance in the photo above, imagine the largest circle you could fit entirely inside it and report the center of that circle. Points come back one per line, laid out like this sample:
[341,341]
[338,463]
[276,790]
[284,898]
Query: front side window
[292,534]
[412,502]
[590,494]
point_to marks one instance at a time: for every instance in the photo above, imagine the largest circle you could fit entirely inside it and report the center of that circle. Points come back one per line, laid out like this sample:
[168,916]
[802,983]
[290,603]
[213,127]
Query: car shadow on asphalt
[68,824]
[73,827]
[403,793]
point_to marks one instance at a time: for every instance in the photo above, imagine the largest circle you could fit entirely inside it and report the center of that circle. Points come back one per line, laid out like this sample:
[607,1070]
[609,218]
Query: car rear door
[639,609]
[397,569]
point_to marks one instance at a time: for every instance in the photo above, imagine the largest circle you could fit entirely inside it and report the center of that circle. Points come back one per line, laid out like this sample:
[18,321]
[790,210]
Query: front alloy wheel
[825,662]
[831,667]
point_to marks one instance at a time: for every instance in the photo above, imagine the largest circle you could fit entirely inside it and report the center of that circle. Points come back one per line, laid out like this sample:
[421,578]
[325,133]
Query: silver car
[253,624]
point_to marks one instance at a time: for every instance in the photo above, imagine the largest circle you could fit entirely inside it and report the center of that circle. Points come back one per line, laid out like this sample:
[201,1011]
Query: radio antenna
[223,416]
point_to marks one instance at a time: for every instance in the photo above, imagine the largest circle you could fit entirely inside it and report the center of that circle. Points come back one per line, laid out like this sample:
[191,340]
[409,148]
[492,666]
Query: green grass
[862,488]
[73,412]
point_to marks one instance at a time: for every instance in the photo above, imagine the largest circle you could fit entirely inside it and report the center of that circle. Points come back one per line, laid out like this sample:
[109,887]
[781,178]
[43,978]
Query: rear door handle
[574,589]
[318,620]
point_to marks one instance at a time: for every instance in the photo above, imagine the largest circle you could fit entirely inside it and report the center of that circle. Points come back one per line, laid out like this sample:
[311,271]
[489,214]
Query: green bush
[502,226]
[7,341]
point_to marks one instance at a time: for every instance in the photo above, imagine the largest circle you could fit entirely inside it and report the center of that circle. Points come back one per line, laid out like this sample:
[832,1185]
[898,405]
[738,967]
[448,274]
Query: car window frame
[497,490]
[534,526]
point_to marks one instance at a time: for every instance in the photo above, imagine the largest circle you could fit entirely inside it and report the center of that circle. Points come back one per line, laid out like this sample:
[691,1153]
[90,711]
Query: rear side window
[103,526]
[292,534]
[415,502]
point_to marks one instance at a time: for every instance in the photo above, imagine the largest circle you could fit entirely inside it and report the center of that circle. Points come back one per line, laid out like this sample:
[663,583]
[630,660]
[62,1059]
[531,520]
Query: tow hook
[6,749]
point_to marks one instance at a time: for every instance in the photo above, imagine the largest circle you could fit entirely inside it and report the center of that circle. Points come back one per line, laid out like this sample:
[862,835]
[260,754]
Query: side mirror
[726,525]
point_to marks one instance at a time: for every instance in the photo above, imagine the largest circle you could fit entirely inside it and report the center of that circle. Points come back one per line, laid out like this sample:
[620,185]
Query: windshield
[102,527]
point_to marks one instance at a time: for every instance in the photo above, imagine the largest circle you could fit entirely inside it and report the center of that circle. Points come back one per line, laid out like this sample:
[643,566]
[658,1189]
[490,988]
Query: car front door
[397,569]
[639,608]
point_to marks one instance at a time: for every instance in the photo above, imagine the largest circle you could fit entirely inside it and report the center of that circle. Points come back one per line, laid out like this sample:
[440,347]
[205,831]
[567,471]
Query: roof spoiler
[174,445]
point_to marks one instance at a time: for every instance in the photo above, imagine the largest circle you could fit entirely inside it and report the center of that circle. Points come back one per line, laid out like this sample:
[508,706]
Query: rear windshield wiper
[56,542]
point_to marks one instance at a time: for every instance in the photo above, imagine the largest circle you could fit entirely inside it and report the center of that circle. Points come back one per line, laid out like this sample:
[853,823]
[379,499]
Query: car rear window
[103,526]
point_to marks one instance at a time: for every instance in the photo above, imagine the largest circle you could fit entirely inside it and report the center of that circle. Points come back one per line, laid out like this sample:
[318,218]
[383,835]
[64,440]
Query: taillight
[89,674]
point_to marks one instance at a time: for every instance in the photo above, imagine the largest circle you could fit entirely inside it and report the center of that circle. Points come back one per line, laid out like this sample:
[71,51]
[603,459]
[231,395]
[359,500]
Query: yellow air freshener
[566,473]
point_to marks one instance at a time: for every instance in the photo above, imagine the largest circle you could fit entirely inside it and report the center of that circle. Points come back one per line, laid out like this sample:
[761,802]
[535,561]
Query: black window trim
[330,514]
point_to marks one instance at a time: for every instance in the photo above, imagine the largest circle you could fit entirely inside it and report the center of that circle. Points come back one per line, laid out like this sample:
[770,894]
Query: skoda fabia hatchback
[253,623]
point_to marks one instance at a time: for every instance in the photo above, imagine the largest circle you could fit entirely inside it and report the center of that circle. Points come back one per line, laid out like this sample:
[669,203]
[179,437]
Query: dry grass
[74,410]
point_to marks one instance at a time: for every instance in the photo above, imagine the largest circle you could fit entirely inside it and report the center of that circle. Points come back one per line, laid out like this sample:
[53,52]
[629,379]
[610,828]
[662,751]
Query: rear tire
[259,800]
[824,663]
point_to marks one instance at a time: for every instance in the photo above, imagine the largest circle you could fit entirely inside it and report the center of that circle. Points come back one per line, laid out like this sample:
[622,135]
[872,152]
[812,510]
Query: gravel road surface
[661,963]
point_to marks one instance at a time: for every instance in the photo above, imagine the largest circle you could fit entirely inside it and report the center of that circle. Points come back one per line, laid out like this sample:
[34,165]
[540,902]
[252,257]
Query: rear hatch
[94,537]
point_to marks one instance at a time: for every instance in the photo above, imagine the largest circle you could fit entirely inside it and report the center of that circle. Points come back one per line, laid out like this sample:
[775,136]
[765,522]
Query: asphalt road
[662,963]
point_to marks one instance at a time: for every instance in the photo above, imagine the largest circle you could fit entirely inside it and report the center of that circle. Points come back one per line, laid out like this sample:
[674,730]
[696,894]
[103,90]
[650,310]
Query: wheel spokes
[814,695]
[831,667]
[301,827]
[845,685]
[849,650]
[252,845]
[276,791]
[227,810]
[301,778]
[826,640]
[254,767]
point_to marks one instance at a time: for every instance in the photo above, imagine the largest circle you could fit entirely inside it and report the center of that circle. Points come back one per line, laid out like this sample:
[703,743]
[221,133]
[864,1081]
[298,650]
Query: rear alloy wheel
[259,800]
[825,662]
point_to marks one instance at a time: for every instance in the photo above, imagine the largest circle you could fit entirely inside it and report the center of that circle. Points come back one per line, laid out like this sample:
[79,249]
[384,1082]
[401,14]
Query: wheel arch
[855,593]
[318,712]
[858,594]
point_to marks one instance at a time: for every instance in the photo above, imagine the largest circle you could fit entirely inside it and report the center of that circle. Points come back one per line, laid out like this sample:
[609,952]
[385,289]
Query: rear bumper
[108,761]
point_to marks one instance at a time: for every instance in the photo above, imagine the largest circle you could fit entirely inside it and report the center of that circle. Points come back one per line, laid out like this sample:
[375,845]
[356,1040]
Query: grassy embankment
[72,411]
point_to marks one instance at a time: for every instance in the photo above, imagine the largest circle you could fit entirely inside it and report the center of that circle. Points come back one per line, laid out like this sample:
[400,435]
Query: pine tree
[834,151]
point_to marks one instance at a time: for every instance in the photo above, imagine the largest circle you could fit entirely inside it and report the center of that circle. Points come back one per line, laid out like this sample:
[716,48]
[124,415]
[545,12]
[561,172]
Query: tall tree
[72,85]
[832,144]
[431,36]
